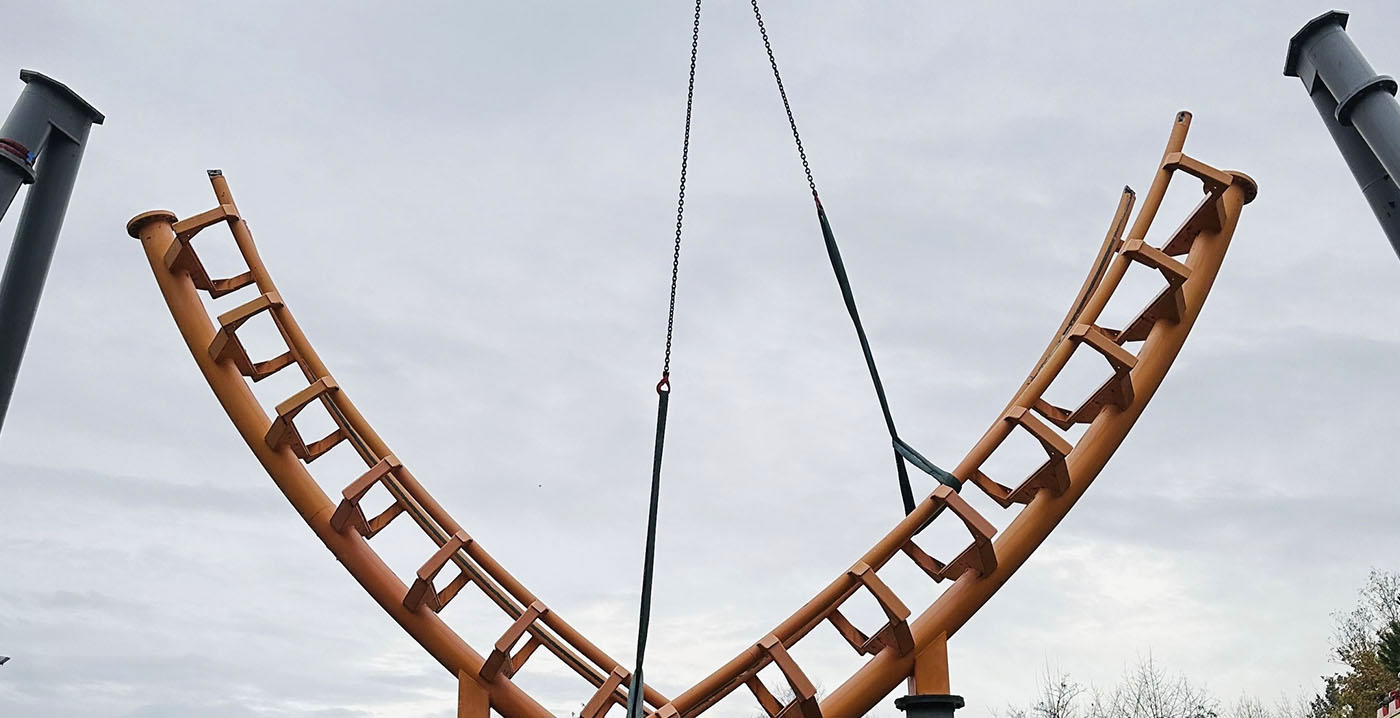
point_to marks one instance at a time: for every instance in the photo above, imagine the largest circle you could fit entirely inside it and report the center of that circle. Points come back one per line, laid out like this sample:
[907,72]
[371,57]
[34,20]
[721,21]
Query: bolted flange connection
[929,706]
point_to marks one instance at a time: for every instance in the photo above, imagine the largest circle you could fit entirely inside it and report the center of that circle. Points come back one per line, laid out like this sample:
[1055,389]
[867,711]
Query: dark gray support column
[929,706]
[1358,106]
[51,123]
[1376,184]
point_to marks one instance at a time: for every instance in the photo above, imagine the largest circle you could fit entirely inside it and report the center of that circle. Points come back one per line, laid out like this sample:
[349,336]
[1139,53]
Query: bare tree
[783,692]
[1296,707]
[1145,691]
[1059,697]
[1148,691]
[1250,708]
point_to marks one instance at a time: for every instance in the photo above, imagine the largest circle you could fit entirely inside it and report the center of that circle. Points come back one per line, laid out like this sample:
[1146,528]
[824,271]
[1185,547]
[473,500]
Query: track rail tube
[378,448]
[873,681]
[297,484]
[951,611]
[156,230]
[976,574]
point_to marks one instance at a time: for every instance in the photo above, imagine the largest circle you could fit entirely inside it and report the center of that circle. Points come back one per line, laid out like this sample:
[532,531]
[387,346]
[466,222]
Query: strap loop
[902,451]
[636,687]
[926,466]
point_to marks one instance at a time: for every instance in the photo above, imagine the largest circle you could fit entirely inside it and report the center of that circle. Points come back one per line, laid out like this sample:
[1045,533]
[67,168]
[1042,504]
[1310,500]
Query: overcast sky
[469,209]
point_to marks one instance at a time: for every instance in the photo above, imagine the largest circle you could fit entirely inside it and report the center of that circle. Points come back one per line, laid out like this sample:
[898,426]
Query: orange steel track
[915,648]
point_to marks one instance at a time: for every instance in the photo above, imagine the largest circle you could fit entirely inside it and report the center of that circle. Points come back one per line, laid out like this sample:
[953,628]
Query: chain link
[665,383]
[773,61]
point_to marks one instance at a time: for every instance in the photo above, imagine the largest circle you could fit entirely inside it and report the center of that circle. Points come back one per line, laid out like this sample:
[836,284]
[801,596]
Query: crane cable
[636,704]
[902,451]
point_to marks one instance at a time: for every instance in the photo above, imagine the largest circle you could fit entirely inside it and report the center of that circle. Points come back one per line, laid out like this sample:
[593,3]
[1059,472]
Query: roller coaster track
[904,647]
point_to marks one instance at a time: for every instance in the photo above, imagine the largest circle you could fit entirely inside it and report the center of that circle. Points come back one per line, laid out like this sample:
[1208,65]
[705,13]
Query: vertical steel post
[1357,106]
[49,123]
[930,691]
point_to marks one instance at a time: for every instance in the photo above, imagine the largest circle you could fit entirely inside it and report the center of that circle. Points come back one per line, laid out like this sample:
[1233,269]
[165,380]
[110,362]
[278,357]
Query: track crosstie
[909,645]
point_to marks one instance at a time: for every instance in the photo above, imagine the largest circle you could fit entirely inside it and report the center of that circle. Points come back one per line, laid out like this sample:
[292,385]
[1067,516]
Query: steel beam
[1357,106]
[50,124]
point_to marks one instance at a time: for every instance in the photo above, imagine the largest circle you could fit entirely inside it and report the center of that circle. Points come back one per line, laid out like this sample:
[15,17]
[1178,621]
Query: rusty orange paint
[911,646]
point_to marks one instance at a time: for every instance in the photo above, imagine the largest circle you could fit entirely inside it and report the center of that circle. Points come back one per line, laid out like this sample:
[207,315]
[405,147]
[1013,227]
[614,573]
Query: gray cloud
[469,207]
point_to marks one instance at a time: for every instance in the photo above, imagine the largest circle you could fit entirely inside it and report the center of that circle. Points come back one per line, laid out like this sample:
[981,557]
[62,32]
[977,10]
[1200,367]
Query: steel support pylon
[50,124]
[1357,106]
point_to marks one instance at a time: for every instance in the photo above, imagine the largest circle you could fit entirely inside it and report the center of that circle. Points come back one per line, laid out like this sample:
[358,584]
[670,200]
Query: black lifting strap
[636,703]
[902,451]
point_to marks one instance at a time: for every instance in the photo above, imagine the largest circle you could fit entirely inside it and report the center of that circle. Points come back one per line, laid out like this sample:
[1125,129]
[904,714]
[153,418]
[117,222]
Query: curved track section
[343,525]
[906,646]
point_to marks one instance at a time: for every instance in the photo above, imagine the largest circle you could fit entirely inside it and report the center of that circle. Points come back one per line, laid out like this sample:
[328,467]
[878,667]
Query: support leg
[929,689]
[30,255]
[472,701]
